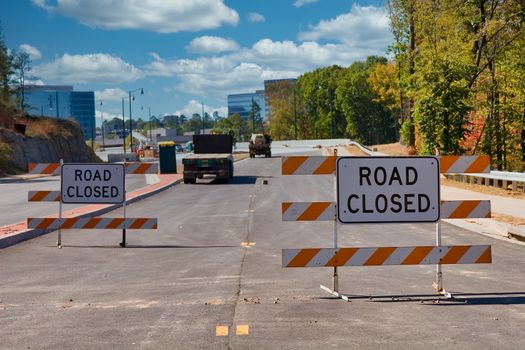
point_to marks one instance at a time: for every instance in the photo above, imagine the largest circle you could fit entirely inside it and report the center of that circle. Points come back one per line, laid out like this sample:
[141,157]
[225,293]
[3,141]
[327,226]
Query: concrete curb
[33,233]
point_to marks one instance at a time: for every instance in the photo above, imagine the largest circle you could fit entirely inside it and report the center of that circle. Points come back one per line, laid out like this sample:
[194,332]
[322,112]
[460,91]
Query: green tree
[6,71]
[21,67]
[234,124]
[368,120]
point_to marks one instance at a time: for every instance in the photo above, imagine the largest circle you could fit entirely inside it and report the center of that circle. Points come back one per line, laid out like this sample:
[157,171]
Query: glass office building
[60,101]
[242,104]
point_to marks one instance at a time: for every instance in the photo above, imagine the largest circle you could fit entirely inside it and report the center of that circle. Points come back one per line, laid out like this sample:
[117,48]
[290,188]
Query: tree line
[241,128]
[458,77]
[455,84]
[14,70]
[333,102]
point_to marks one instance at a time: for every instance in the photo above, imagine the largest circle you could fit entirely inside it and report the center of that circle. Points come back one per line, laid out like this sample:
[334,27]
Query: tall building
[242,103]
[60,101]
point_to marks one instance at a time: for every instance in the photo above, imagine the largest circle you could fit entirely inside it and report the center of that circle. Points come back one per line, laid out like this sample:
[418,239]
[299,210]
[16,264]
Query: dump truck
[212,154]
[260,144]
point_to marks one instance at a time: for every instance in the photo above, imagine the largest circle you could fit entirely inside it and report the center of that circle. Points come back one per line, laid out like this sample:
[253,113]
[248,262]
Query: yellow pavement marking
[247,244]
[221,331]
[243,329]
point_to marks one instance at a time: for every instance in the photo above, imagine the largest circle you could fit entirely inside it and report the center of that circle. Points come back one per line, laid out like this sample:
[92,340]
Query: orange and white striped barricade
[309,165]
[44,168]
[136,168]
[132,168]
[373,256]
[326,211]
[460,164]
[43,196]
[381,256]
[314,211]
[464,164]
[102,183]
[94,223]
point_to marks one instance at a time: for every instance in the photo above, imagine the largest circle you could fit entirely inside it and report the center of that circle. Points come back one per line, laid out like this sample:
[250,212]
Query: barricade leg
[438,284]
[335,277]
[59,234]
[123,243]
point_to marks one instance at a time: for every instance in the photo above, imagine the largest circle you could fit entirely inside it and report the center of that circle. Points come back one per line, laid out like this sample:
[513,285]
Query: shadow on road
[14,181]
[461,299]
[134,246]
[236,180]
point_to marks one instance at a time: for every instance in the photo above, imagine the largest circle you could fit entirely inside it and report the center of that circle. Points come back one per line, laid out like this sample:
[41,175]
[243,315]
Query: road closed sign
[93,183]
[387,189]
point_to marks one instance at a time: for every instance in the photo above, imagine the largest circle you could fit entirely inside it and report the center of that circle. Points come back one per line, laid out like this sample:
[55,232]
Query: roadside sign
[93,183]
[387,189]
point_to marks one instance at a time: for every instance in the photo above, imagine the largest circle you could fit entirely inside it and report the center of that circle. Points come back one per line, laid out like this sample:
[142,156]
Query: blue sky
[187,52]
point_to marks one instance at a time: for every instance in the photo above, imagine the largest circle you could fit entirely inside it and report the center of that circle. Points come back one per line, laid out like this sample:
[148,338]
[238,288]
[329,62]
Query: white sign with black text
[93,183]
[387,189]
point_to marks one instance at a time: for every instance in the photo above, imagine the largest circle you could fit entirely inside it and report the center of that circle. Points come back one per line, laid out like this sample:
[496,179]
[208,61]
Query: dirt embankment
[44,140]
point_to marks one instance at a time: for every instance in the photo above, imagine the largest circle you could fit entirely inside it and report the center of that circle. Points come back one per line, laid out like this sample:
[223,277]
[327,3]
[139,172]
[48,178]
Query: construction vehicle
[212,154]
[260,144]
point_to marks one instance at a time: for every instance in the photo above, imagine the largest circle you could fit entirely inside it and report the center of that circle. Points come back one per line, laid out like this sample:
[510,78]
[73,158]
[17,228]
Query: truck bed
[209,156]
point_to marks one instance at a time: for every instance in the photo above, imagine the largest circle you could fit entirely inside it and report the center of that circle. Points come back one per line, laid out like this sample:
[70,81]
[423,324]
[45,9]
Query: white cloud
[194,106]
[153,15]
[363,27]
[114,94]
[299,3]
[255,17]
[215,76]
[211,44]
[33,52]
[247,68]
[89,68]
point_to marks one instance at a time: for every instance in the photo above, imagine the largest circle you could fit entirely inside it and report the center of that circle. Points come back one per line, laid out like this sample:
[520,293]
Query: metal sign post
[59,234]
[335,277]
[123,243]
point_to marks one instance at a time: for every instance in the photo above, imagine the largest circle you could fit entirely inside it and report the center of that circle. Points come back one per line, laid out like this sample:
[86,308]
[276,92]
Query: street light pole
[102,127]
[130,120]
[150,136]
[56,99]
[123,127]
[202,118]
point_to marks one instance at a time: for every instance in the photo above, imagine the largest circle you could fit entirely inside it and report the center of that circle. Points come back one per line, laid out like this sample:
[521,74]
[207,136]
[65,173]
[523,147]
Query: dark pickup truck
[212,155]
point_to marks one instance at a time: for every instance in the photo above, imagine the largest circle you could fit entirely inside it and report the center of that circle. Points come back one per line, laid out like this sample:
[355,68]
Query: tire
[186,181]
[231,171]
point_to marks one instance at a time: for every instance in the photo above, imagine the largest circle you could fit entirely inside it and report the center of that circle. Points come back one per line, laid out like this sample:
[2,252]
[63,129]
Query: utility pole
[202,118]
[253,117]
[102,128]
[150,136]
[56,99]
[123,127]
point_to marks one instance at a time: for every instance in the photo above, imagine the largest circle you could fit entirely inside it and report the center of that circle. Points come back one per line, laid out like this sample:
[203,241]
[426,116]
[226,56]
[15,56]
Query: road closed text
[92,183]
[388,189]
[381,203]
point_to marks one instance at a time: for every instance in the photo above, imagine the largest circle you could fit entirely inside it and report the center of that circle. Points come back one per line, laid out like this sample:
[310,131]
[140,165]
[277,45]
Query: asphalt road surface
[214,267]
